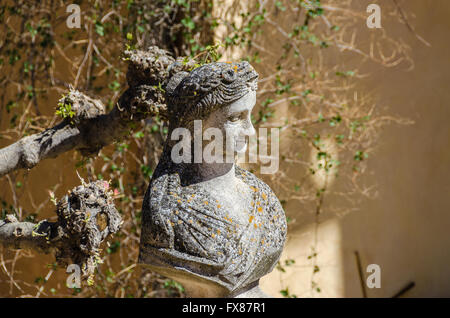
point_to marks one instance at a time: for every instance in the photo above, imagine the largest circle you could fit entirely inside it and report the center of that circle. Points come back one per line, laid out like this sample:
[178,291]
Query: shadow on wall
[405,229]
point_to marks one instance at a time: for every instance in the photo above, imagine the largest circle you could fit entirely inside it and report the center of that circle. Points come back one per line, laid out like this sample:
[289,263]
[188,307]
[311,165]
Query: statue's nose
[249,130]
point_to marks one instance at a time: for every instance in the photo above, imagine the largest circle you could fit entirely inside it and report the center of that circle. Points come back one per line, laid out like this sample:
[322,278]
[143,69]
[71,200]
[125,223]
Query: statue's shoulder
[260,187]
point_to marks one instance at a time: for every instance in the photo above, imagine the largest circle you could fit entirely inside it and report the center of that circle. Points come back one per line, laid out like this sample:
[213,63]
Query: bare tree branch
[25,235]
[408,25]
[85,126]
[86,217]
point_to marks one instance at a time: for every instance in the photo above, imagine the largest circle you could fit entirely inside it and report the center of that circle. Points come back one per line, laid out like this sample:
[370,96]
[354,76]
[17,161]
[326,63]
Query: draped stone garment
[186,230]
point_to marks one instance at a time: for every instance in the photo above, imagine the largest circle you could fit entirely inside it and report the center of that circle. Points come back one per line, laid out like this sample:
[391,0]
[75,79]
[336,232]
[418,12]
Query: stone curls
[196,94]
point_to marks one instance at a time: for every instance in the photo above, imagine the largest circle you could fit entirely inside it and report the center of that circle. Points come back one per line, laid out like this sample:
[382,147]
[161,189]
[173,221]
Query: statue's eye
[238,116]
[234,118]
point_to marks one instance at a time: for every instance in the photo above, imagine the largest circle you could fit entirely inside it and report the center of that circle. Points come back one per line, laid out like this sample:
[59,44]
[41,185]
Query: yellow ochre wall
[405,229]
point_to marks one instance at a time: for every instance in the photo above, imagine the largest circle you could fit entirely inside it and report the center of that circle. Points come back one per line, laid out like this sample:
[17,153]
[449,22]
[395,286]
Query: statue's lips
[240,144]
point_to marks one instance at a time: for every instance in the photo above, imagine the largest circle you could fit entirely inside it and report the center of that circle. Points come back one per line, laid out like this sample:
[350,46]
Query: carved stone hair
[197,94]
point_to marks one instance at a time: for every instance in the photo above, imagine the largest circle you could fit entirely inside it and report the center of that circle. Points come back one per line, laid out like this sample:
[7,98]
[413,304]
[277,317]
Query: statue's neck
[207,172]
[193,172]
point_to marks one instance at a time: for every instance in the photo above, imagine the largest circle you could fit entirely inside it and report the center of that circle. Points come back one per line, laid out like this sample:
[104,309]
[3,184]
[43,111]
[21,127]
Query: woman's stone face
[234,122]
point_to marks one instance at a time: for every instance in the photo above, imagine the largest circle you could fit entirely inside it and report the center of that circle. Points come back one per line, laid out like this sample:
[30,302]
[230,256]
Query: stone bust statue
[209,224]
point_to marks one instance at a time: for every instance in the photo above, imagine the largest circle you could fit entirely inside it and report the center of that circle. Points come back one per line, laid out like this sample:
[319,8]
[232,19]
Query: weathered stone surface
[214,227]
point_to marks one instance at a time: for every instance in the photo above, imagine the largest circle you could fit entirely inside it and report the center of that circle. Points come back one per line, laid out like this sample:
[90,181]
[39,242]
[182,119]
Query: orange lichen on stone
[228,218]
[205,202]
[264,196]
[259,209]
[250,219]
[218,206]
